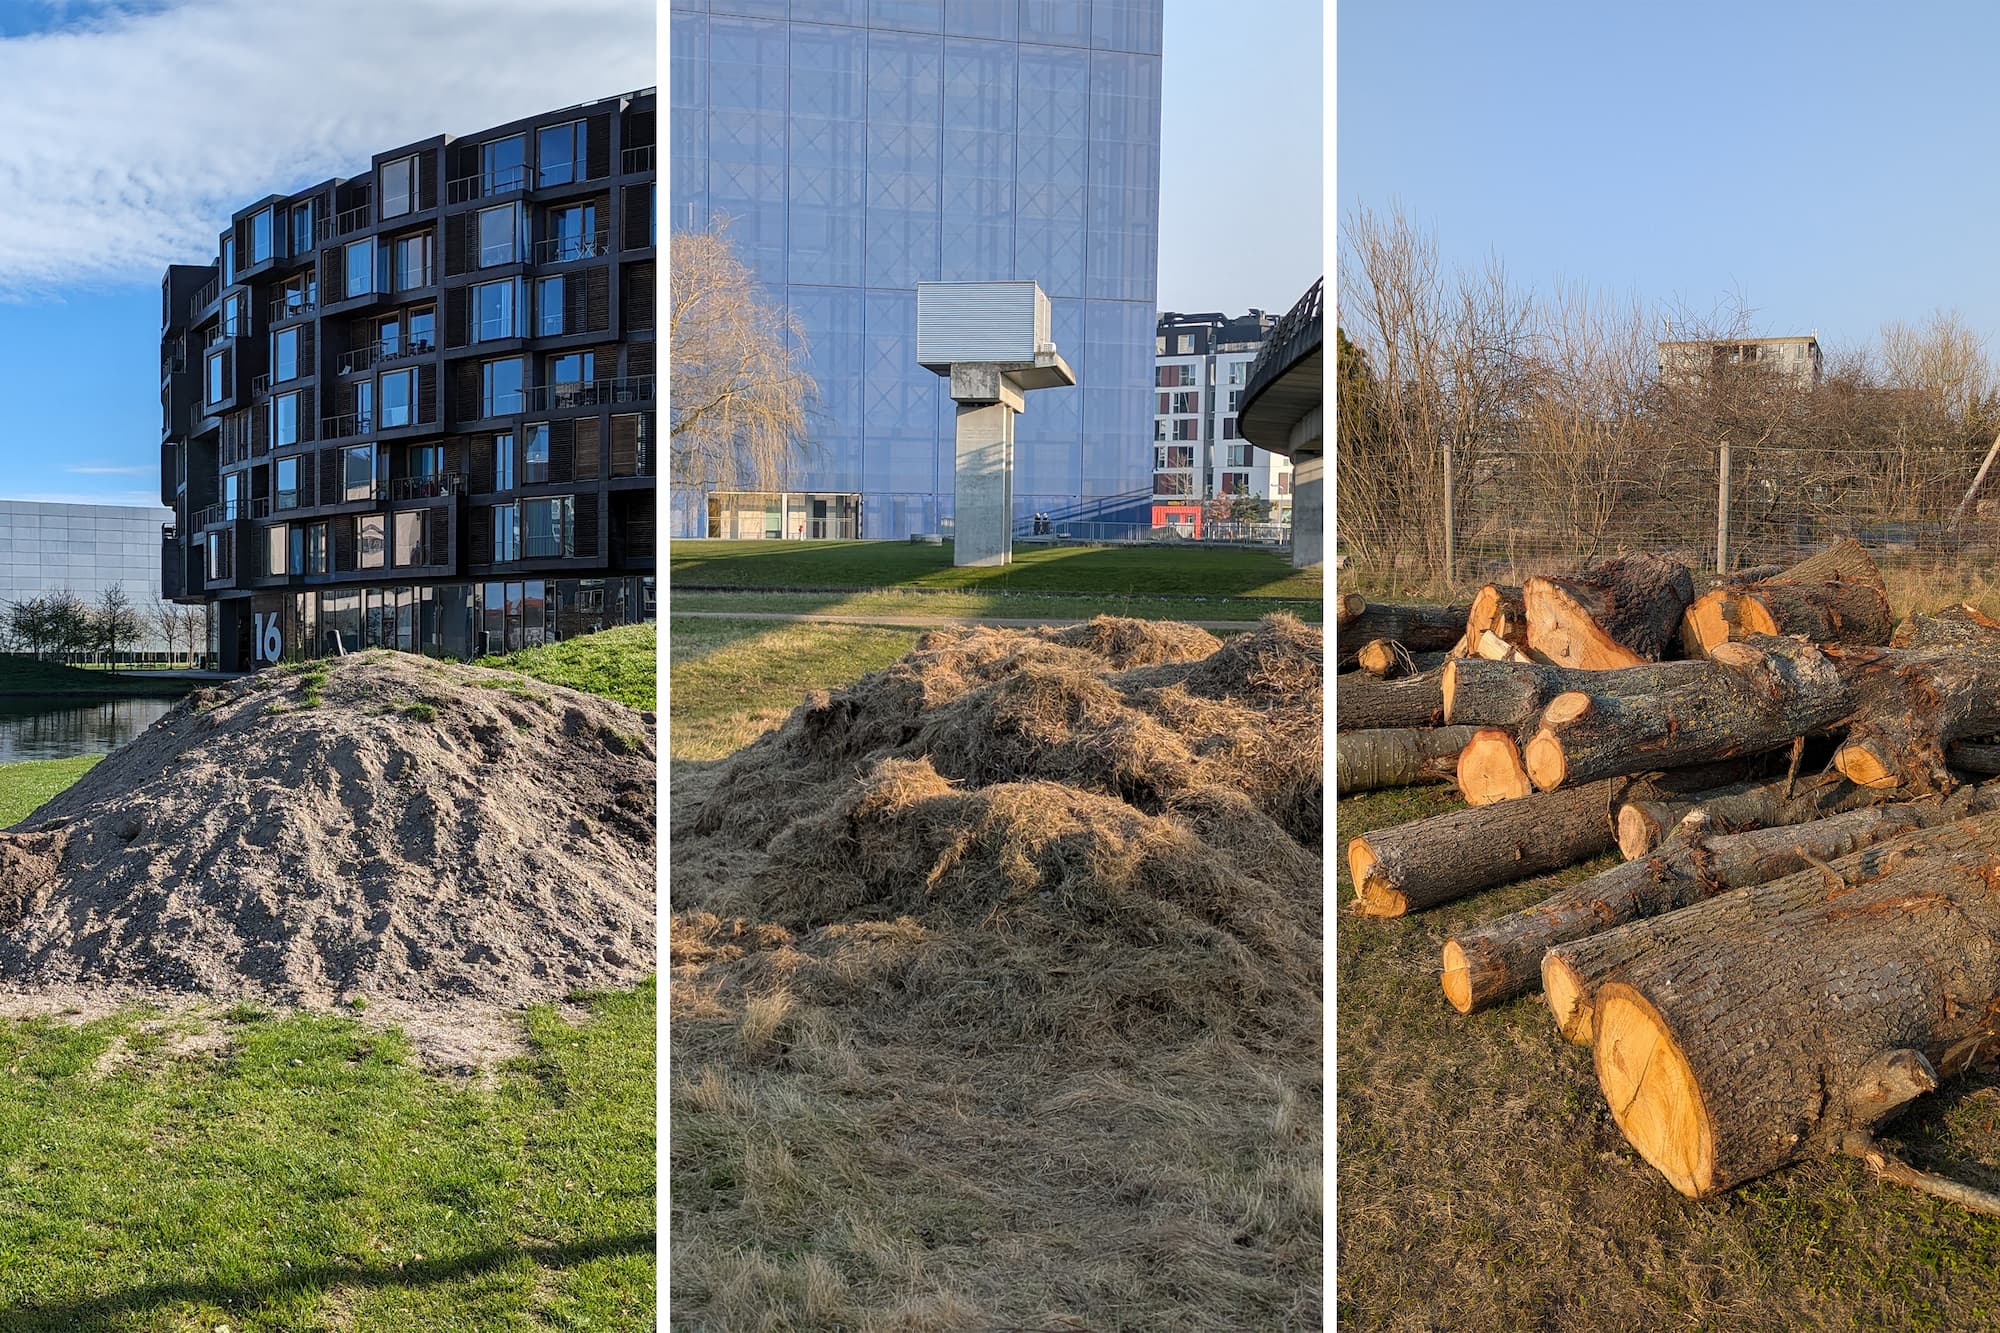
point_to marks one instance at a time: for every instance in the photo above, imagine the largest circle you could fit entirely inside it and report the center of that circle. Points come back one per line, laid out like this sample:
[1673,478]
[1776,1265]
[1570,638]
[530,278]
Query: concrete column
[1308,511]
[983,503]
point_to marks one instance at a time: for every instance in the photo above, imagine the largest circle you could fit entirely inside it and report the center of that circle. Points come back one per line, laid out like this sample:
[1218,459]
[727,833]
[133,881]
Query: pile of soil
[1111,831]
[380,826]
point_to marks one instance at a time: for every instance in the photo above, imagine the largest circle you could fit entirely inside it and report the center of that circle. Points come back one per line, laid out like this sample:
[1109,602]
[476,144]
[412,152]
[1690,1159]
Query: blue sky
[1828,162]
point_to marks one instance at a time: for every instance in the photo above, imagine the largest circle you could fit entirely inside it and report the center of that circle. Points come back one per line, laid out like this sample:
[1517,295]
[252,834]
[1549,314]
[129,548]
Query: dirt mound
[1066,833]
[381,825]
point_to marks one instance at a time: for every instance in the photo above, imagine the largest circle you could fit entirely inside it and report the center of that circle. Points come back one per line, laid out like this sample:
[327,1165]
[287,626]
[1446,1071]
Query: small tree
[69,624]
[165,620]
[114,622]
[1249,508]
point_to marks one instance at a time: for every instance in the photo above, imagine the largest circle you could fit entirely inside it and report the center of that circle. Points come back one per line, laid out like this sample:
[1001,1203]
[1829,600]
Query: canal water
[51,727]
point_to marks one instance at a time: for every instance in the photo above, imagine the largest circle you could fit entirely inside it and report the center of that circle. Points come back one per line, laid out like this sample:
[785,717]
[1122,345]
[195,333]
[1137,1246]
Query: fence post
[1722,511]
[1450,518]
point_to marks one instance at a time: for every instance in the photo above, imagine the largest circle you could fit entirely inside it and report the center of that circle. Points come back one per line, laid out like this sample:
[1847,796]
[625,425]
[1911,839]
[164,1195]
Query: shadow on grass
[100,1311]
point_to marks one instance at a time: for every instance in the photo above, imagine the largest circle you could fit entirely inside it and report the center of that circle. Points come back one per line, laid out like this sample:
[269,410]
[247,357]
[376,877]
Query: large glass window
[549,307]
[570,376]
[506,533]
[357,472]
[302,227]
[287,496]
[300,290]
[559,153]
[261,236]
[572,233]
[423,329]
[228,260]
[502,164]
[546,527]
[371,542]
[233,321]
[398,178]
[284,420]
[427,460]
[398,401]
[408,543]
[218,561]
[413,261]
[535,454]
[277,547]
[218,376]
[499,234]
[364,406]
[361,267]
[500,387]
[493,311]
[389,335]
[285,355]
[503,461]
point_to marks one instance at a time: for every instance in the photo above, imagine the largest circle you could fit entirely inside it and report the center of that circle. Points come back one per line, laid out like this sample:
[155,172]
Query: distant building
[1282,410]
[1795,358]
[1200,362]
[84,549]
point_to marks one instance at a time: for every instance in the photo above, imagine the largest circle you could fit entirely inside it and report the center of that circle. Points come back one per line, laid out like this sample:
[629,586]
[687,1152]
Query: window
[571,374]
[302,227]
[572,233]
[413,261]
[300,290]
[1239,455]
[1236,483]
[502,165]
[1187,402]
[549,307]
[1235,399]
[559,151]
[277,546]
[371,541]
[547,528]
[427,460]
[285,355]
[408,546]
[284,420]
[397,398]
[218,376]
[1159,428]
[1229,428]
[389,335]
[1172,483]
[1160,345]
[1166,403]
[1185,347]
[503,461]
[1187,428]
[500,387]
[218,560]
[1284,483]
[1165,375]
[233,322]
[499,230]
[397,179]
[364,406]
[287,496]
[423,329]
[1159,459]
[535,455]
[493,311]
[1180,455]
[261,236]
[506,535]
[357,472]
[361,267]
[228,260]
[1237,370]
[315,553]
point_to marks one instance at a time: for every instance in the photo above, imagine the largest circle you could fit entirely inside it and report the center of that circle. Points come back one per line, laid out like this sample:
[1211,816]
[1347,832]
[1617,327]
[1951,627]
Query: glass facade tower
[858,147]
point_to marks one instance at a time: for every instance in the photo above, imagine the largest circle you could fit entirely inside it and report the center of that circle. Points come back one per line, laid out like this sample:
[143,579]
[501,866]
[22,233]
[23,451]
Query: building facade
[415,408]
[1201,362]
[84,549]
[858,147]
[1796,359]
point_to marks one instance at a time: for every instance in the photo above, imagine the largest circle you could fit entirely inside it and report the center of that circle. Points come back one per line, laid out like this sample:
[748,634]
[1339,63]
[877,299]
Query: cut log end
[1638,832]
[1545,762]
[1457,978]
[1373,894]
[1448,686]
[1651,1090]
[1703,626]
[1562,990]
[1567,706]
[1490,769]
[1865,763]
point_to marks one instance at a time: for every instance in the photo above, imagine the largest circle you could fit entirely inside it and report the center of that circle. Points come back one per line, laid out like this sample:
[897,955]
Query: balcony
[427,488]
[635,159]
[231,510]
[260,384]
[468,188]
[204,297]
[292,306]
[350,425]
[629,389]
[346,224]
[375,353]
[565,249]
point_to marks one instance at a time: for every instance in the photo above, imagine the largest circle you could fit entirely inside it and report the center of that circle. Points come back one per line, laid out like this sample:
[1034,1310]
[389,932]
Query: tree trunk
[1619,612]
[1362,703]
[1961,624]
[1385,659]
[1513,694]
[1737,1049]
[1846,561]
[1396,757]
[1431,861]
[1503,958]
[1644,825]
[1421,629]
[1819,612]
[1346,607]
[1968,757]
[1497,609]
[1489,768]
[1760,695]
[1908,705]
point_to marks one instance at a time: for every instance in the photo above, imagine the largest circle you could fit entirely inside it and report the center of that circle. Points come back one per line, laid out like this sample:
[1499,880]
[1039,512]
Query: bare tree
[1945,362]
[740,387]
[114,622]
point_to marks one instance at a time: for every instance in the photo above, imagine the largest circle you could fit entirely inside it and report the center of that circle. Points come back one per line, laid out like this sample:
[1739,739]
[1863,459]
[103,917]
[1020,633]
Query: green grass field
[620,663]
[165,1172]
[25,675]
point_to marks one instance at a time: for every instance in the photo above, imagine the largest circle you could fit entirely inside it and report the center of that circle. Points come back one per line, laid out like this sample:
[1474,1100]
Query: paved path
[927,622]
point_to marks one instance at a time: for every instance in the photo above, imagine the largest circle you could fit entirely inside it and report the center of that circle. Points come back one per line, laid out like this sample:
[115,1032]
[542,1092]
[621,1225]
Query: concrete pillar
[983,489]
[1308,510]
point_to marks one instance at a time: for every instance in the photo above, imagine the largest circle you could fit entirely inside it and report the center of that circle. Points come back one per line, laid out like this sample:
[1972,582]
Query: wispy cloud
[132,135]
[105,470]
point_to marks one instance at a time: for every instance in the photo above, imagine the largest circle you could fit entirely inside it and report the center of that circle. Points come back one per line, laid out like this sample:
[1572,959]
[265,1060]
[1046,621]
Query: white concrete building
[1796,358]
[1198,453]
[84,548]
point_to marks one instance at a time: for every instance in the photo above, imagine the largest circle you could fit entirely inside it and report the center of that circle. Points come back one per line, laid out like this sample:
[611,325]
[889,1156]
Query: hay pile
[381,825]
[1106,832]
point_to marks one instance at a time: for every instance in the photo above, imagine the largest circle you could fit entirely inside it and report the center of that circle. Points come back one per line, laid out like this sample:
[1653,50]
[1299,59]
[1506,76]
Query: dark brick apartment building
[415,409]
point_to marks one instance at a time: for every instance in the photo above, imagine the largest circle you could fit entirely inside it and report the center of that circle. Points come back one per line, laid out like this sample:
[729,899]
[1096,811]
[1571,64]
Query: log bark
[1737,1050]
[1972,757]
[1908,705]
[1819,612]
[1348,606]
[1645,825]
[1421,629]
[1497,609]
[1753,574]
[1362,703]
[1513,694]
[1618,612]
[1760,694]
[1954,625]
[1845,561]
[1396,757]
[1503,958]
[1385,659]
[1431,861]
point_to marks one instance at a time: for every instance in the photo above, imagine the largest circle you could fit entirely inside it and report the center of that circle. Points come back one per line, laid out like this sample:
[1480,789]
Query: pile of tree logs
[1804,933]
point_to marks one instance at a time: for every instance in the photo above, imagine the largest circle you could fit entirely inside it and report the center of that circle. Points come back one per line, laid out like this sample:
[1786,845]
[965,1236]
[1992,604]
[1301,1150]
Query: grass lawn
[25,675]
[971,605]
[620,663]
[733,680]
[1483,1183]
[26,787]
[1124,571]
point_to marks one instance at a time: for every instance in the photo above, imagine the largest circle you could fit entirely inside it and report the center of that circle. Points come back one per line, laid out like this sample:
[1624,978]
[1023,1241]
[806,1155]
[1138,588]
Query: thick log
[1490,770]
[1513,694]
[1385,659]
[1497,609]
[1396,757]
[1348,606]
[1503,958]
[1908,705]
[1845,561]
[1738,1049]
[1760,694]
[1493,648]
[1973,757]
[1753,574]
[1644,825]
[1954,625]
[1431,861]
[1819,612]
[1421,629]
[1363,703]
[1618,612]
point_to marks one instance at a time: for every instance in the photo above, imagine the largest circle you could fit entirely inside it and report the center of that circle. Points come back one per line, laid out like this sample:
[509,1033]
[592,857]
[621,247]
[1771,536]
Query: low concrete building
[1796,358]
[85,549]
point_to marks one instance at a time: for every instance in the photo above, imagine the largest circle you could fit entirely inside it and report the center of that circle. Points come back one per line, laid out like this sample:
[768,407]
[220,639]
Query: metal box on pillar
[991,341]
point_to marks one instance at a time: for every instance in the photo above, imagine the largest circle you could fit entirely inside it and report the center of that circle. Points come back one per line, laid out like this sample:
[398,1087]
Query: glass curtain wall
[858,147]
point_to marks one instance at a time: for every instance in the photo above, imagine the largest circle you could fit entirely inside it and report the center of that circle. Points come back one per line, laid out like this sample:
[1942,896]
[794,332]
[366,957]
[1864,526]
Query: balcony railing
[427,488]
[260,384]
[375,353]
[345,425]
[290,307]
[485,183]
[638,158]
[346,224]
[231,510]
[590,393]
[564,249]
